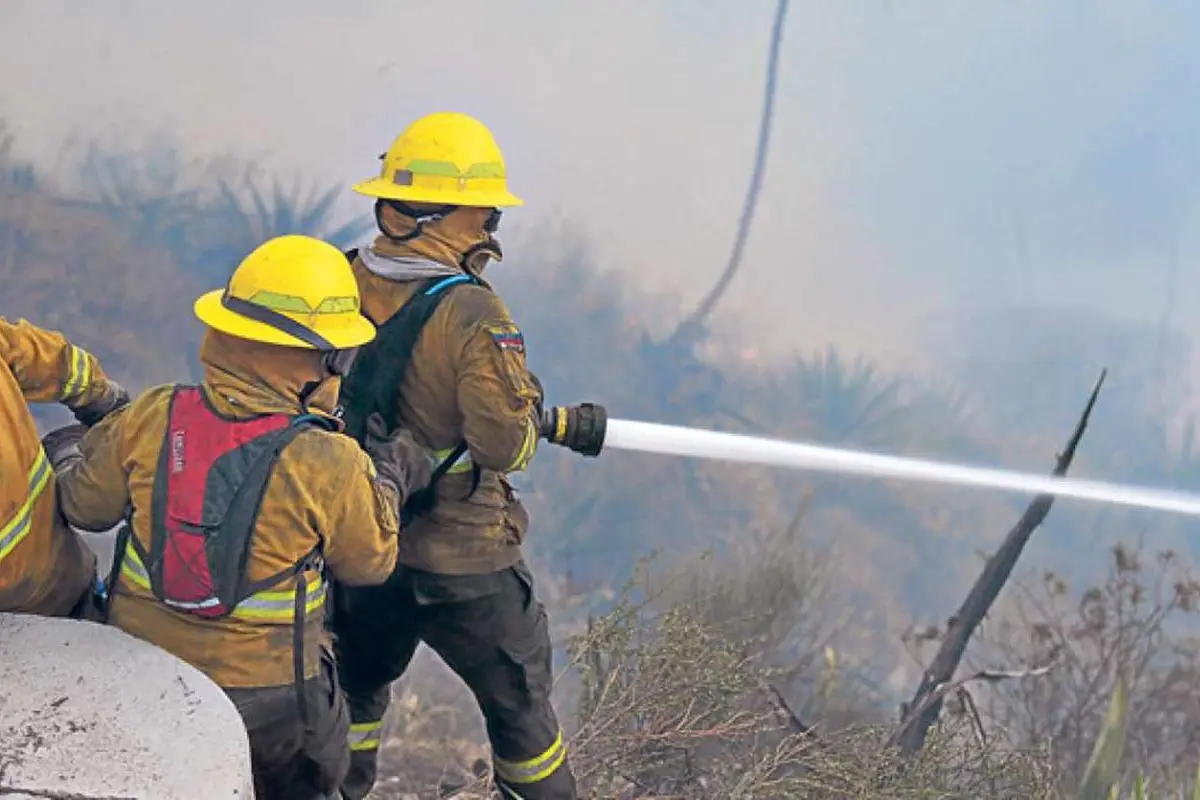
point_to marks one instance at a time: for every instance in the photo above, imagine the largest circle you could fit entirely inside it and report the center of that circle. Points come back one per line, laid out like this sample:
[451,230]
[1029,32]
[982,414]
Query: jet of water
[648,437]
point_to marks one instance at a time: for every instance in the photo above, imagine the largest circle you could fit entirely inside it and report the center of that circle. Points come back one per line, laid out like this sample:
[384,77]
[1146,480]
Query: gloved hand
[62,445]
[541,400]
[399,460]
[114,397]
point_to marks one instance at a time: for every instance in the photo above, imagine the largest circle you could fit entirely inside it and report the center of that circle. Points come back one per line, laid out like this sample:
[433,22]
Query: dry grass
[669,695]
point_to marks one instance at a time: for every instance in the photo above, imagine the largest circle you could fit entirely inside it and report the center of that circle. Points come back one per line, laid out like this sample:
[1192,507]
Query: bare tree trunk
[920,714]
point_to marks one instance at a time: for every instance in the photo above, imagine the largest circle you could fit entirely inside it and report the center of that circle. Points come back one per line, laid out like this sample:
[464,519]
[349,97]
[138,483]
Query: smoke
[929,159]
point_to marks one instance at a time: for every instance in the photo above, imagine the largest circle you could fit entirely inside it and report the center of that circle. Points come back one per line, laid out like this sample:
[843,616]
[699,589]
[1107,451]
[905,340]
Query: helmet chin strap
[276,320]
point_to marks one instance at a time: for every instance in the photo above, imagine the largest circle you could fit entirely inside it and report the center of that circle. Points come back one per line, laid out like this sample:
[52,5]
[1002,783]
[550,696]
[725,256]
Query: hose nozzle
[580,428]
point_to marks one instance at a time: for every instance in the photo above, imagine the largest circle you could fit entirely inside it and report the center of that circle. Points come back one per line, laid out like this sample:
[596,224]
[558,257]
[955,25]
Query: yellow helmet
[443,159]
[293,291]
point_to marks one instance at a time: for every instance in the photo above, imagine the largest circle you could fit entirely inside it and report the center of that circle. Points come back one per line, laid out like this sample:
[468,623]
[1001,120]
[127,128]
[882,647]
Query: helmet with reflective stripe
[443,159]
[293,291]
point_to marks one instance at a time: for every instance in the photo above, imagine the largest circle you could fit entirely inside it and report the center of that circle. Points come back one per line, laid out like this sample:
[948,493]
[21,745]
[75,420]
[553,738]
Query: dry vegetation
[771,666]
[669,695]
[1132,625]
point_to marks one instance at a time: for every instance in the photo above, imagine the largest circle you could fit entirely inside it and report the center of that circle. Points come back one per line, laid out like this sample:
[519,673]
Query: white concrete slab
[90,713]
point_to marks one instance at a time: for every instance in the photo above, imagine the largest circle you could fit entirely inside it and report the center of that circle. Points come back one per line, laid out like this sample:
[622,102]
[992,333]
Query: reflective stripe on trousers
[365,736]
[15,529]
[535,769]
[272,605]
[79,374]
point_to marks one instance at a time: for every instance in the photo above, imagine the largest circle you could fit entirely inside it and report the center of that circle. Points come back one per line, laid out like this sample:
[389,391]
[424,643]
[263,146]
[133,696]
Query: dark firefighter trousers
[291,760]
[492,631]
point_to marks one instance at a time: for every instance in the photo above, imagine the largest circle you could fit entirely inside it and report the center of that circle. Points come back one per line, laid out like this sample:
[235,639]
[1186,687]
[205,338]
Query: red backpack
[208,491]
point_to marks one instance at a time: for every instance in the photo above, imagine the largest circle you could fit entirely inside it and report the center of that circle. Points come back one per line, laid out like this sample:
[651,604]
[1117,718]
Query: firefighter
[449,365]
[238,493]
[45,568]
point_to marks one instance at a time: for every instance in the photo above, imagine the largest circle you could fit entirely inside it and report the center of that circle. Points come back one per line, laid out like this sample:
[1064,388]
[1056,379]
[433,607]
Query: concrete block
[88,712]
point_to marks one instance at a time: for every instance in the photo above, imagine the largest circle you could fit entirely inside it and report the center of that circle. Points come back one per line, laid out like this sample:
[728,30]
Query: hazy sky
[929,157]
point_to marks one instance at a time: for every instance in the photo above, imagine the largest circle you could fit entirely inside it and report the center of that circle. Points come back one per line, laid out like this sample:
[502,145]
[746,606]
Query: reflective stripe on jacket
[44,568]
[271,606]
[14,531]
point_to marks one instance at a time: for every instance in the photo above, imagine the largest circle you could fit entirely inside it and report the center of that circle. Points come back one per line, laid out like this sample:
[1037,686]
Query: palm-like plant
[826,398]
[209,214]
[238,222]
[848,402]
[148,194]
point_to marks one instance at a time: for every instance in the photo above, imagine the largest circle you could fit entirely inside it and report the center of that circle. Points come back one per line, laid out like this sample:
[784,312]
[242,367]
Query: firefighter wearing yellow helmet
[449,365]
[238,497]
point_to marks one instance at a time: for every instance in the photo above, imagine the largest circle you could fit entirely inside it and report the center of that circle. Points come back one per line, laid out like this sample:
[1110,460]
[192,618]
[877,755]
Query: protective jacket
[467,381]
[321,497]
[44,567]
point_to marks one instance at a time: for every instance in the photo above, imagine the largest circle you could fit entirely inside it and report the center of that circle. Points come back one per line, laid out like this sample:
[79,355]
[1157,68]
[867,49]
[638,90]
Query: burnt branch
[939,692]
[795,723]
[922,712]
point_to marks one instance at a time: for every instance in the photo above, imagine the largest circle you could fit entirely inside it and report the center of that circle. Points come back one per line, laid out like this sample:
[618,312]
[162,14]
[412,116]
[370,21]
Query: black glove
[62,445]
[541,398]
[399,460]
[580,428]
[114,397]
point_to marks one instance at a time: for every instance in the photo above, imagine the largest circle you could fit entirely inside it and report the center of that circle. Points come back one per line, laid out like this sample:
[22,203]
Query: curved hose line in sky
[756,178]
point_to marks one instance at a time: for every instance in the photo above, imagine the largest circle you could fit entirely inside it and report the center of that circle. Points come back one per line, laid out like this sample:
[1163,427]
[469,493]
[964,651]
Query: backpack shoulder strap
[246,504]
[244,511]
[424,499]
[375,378]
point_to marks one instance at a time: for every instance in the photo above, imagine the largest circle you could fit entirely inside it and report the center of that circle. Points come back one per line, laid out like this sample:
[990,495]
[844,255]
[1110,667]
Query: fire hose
[587,429]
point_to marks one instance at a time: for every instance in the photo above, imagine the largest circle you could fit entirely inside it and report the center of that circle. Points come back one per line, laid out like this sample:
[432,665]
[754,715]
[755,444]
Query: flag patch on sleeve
[508,337]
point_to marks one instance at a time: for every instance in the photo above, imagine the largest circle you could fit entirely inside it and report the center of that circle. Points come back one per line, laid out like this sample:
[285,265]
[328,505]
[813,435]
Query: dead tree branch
[795,723]
[939,692]
[926,705]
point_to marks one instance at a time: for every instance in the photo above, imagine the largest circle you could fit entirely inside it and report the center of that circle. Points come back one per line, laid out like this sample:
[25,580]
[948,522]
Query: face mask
[335,364]
[338,362]
[475,259]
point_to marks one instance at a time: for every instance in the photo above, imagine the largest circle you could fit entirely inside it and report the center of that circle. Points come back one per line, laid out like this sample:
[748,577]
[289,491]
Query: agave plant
[1102,776]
